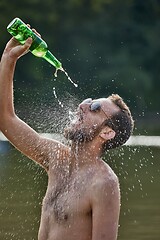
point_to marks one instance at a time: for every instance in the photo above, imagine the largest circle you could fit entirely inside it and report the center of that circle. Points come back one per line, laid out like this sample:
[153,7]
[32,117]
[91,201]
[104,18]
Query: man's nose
[84,106]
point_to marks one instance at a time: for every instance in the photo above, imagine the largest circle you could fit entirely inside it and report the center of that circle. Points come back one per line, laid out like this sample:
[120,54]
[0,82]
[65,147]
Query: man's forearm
[12,52]
[7,67]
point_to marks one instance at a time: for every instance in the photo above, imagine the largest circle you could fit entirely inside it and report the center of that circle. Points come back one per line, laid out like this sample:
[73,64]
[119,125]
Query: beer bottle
[20,31]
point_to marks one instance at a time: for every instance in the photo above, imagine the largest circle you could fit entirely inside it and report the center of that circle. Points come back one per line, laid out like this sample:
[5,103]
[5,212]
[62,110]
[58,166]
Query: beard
[81,135]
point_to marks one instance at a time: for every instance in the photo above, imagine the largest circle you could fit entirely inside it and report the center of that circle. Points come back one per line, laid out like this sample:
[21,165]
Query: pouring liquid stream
[71,114]
[55,95]
[54,89]
[55,74]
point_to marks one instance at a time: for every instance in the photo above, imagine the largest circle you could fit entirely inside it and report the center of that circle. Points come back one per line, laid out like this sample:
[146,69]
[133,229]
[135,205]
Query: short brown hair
[121,122]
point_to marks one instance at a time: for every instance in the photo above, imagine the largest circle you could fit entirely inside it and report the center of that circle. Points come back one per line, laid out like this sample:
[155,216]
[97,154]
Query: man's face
[89,118]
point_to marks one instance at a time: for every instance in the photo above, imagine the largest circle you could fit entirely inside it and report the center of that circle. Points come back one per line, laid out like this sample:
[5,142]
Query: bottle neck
[52,60]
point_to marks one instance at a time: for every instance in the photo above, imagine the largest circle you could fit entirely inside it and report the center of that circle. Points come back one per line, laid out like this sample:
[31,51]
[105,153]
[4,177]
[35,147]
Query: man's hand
[15,50]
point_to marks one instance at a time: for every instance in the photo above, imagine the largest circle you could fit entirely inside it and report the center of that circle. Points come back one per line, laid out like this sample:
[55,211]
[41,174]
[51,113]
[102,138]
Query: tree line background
[106,46]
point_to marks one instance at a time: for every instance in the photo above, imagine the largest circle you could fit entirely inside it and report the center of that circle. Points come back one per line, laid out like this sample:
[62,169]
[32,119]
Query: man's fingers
[28,42]
[26,46]
[29,25]
[37,33]
[34,30]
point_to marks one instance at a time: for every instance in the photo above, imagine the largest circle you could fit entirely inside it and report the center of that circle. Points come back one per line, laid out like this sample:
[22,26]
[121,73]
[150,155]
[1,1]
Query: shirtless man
[82,201]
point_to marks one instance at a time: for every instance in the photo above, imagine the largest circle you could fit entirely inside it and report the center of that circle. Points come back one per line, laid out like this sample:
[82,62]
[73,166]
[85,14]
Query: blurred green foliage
[106,46]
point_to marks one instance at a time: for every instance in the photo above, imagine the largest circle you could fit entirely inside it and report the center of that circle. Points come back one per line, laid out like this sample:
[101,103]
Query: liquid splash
[71,115]
[76,85]
[55,74]
[55,95]
[61,69]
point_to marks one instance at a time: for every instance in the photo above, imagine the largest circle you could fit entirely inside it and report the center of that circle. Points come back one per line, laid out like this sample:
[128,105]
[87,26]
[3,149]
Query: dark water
[23,185]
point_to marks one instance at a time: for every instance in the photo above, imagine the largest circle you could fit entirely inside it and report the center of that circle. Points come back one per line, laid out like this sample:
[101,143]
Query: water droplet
[55,74]
[55,95]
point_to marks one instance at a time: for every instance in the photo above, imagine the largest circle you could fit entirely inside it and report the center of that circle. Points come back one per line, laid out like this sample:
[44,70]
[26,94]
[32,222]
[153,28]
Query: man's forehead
[108,106]
[103,100]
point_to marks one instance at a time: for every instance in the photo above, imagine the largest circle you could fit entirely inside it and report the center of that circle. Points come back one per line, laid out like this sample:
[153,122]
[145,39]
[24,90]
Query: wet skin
[68,205]
[75,180]
[82,201]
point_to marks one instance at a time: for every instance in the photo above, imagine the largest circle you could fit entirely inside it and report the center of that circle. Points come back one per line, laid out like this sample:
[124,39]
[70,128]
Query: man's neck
[84,153]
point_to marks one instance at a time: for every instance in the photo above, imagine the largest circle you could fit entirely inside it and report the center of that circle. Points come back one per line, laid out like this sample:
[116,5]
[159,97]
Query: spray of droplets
[54,89]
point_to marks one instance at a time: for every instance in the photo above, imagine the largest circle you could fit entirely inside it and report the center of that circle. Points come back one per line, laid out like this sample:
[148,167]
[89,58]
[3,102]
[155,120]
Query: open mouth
[75,116]
[80,116]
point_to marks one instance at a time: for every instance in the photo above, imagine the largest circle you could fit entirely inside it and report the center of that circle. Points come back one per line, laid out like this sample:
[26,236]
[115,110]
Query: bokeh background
[106,46]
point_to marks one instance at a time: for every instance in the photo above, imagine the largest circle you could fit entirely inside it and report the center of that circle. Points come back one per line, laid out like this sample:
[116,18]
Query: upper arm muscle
[28,141]
[105,210]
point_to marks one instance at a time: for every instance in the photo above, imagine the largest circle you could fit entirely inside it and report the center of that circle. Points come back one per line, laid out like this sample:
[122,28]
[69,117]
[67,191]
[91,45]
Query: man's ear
[107,133]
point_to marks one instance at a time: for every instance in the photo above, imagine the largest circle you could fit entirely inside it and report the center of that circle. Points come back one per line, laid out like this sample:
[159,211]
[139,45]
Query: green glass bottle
[18,29]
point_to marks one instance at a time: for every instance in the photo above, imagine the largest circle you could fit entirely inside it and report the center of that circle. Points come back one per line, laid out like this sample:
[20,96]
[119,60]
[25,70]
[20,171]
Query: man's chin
[73,135]
[78,135]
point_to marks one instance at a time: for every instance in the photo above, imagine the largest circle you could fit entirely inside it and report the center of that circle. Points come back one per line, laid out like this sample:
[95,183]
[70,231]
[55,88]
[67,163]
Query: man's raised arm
[23,137]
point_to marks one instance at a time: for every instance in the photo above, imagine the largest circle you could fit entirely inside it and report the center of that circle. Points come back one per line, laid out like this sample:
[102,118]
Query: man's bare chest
[67,198]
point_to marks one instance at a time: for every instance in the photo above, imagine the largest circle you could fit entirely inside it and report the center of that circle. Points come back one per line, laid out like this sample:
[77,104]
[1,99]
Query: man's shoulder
[106,173]
[105,178]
